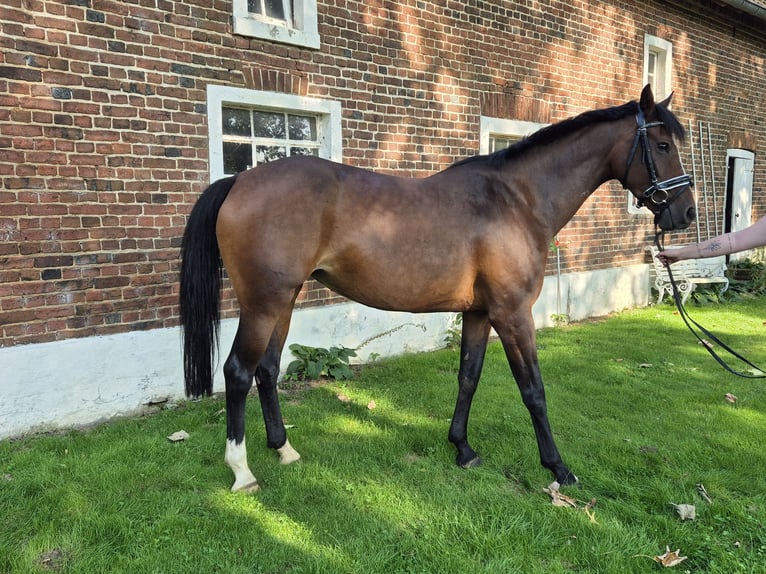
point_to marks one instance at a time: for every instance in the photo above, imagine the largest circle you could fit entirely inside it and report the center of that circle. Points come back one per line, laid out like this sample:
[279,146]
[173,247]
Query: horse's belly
[394,292]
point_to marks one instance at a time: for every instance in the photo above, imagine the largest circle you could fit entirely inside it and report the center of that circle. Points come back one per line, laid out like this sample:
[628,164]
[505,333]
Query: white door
[740,163]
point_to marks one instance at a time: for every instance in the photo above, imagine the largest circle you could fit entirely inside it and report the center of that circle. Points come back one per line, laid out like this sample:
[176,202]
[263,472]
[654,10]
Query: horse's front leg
[518,337]
[473,346]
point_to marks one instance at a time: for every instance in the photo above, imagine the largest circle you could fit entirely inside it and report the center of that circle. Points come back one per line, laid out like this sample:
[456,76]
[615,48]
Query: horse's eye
[663,147]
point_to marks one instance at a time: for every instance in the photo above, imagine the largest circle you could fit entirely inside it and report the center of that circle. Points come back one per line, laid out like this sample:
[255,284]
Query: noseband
[659,192]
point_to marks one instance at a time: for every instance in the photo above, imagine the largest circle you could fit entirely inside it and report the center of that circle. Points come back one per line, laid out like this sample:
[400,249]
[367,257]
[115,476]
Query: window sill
[245,26]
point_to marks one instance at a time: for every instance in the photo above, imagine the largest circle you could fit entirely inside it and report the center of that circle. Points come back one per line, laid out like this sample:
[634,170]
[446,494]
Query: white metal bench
[688,273]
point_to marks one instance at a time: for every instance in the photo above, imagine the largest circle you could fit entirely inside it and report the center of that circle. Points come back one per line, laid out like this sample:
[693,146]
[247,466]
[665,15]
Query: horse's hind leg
[256,352]
[517,334]
[266,376]
[239,370]
[473,346]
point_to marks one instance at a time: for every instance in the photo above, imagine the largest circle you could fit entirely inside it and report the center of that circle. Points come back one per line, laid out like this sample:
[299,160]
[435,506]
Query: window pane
[267,153]
[497,143]
[236,122]
[268,125]
[652,63]
[237,157]
[304,151]
[254,6]
[275,9]
[302,128]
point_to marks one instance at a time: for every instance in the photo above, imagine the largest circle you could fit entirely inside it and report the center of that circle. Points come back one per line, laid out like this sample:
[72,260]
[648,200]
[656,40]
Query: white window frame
[328,113]
[489,126]
[663,50]
[300,30]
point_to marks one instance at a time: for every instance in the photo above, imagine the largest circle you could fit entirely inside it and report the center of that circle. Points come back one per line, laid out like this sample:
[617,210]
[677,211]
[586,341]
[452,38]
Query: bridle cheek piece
[659,193]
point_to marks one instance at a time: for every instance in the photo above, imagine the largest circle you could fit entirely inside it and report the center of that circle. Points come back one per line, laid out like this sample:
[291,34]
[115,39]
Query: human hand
[668,257]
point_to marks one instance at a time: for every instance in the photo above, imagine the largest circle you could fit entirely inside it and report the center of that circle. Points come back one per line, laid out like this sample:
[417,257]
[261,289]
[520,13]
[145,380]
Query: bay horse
[473,238]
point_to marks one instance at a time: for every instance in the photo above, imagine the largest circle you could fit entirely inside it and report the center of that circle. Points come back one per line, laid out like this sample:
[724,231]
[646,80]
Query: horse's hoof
[287,454]
[475,461]
[566,478]
[246,488]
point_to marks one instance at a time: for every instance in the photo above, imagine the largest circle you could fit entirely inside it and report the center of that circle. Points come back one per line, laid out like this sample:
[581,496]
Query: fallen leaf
[557,498]
[731,398]
[178,436]
[705,343]
[371,405]
[645,366]
[343,398]
[670,559]
[589,510]
[685,511]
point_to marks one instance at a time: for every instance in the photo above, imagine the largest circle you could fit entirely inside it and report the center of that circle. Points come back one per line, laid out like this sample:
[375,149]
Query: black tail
[201,289]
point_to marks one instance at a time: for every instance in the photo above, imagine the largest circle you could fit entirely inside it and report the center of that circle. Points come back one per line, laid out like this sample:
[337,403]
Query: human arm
[753,236]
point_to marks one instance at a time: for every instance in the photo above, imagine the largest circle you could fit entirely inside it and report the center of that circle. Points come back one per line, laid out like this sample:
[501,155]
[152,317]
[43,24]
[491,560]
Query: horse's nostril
[691,214]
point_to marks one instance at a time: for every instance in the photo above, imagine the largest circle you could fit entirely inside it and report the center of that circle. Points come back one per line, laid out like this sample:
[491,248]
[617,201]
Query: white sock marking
[236,457]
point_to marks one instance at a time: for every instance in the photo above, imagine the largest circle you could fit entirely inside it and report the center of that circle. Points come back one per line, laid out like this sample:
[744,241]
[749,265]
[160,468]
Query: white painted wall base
[81,381]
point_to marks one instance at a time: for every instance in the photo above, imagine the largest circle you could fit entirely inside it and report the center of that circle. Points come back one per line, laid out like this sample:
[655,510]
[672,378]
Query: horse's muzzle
[675,216]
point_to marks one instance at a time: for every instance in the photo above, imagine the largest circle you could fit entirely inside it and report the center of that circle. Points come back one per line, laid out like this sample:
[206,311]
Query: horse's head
[658,181]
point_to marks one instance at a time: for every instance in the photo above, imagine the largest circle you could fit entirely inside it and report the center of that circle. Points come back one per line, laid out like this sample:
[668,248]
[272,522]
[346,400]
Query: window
[496,133]
[657,72]
[253,136]
[250,127]
[657,65]
[285,21]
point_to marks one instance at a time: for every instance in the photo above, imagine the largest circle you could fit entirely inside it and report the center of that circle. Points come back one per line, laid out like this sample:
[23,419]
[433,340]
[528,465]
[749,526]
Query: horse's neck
[565,173]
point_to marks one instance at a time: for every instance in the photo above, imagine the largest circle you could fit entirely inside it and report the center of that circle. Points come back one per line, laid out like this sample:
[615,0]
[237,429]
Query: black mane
[564,128]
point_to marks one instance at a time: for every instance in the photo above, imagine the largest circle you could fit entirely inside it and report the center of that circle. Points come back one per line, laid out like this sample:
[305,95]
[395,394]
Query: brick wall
[103,133]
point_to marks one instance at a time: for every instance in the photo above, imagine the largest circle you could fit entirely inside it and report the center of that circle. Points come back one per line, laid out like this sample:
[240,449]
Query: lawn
[637,407]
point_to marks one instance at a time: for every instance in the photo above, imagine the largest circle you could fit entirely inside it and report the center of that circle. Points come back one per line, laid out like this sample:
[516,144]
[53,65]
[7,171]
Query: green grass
[377,489]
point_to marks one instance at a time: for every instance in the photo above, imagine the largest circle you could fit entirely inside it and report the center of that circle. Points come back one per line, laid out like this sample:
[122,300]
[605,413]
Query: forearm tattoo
[720,244]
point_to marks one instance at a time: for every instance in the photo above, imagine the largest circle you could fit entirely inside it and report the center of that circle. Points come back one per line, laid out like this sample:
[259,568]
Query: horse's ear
[666,102]
[647,99]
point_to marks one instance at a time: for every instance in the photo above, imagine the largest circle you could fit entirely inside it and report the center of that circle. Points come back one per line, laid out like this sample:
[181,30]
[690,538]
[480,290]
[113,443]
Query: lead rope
[658,241]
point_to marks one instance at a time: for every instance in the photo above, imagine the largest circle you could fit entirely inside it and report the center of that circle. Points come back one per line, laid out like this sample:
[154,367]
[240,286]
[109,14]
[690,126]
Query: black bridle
[755,373]
[663,193]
